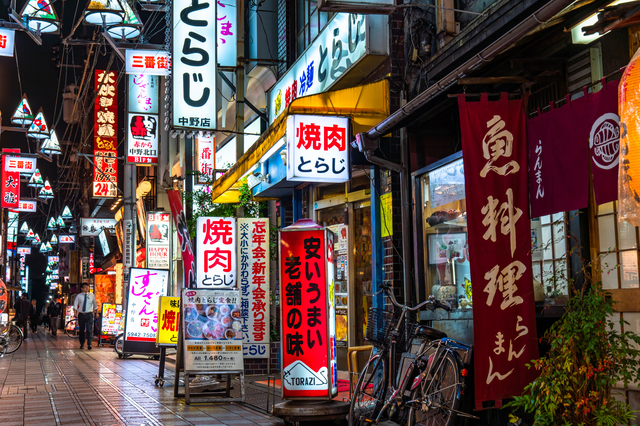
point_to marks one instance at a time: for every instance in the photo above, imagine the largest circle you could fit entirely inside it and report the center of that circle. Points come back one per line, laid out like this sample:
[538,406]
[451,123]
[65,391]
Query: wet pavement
[49,381]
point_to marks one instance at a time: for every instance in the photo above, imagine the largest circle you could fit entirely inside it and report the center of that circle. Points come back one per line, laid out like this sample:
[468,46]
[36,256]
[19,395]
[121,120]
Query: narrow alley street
[48,381]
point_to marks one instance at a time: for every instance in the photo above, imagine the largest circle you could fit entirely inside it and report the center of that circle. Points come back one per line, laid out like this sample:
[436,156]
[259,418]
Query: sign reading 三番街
[158,240]
[216,242]
[212,330]
[20,164]
[317,148]
[105,171]
[91,226]
[142,93]
[145,287]
[194,65]
[253,280]
[26,206]
[24,250]
[206,147]
[142,139]
[67,239]
[168,321]
[148,62]
[6,41]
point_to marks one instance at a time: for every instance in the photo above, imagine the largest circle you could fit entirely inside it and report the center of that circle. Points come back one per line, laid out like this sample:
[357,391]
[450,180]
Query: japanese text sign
[495,160]
[253,277]
[180,221]
[26,206]
[111,317]
[6,42]
[227,41]
[145,287]
[20,164]
[10,183]
[105,172]
[67,239]
[194,65]
[168,321]
[24,250]
[206,148]
[212,330]
[158,240]
[91,226]
[142,139]
[143,91]
[308,348]
[216,238]
[317,148]
[148,62]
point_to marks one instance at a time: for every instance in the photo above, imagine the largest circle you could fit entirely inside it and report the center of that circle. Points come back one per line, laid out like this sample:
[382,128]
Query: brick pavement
[49,381]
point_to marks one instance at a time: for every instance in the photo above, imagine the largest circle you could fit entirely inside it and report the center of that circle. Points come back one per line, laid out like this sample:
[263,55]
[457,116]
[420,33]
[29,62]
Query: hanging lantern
[24,113]
[104,12]
[50,146]
[54,240]
[130,26]
[36,180]
[49,248]
[30,235]
[61,222]
[39,128]
[46,192]
[48,269]
[52,224]
[36,240]
[24,228]
[43,248]
[40,16]
[66,213]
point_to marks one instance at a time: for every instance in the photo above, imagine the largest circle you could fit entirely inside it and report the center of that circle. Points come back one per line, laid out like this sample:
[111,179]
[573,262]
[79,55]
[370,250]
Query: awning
[367,105]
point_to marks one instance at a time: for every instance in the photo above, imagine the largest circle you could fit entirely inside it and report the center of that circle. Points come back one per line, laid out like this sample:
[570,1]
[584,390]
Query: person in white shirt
[84,306]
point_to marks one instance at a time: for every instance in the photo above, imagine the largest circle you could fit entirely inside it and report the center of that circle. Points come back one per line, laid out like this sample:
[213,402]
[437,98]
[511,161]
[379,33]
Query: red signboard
[180,220]
[308,347]
[495,164]
[105,172]
[10,184]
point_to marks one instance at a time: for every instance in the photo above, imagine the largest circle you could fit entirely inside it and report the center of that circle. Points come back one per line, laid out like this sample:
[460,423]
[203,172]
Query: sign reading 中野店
[148,62]
[194,65]
[158,240]
[216,242]
[253,280]
[105,171]
[227,33]
[317,148]
[142,139]
[20,164]
[145,287]
[6,41]
[26,206]
[111,317]
[10,184]
[168,321]
[206,148]
[309,363]
[142,93]
[212,330]
[91,226]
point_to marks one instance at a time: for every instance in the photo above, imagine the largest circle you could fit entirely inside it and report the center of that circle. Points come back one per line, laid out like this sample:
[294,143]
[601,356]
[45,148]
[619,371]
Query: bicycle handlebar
[435,303]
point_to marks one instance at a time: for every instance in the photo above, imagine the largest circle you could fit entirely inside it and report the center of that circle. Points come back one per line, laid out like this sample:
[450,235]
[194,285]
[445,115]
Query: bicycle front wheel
[369,394]
[437,398]
[71,328]
[15,339]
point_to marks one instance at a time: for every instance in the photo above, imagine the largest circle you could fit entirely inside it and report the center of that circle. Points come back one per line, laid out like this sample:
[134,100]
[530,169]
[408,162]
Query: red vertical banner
[10,184]
[180,220]
[495,160]
[105,141]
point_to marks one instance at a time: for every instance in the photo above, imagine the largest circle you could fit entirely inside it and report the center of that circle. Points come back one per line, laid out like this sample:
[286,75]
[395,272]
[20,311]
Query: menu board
[213,330]
[68,316]
[111,317]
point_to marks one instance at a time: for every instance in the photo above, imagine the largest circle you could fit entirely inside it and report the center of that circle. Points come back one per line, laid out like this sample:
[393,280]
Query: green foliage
[588,356]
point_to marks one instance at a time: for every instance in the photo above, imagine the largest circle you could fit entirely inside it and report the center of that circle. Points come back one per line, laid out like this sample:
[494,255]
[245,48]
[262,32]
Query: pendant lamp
[66,213]
[104,12]
[49,248]
[54,239]
[130,26]
[40,16]
[60,222]
[39,128]
[24,228]
[52,224]
[30,234]
[36,240]
[43,248]
[24,113]
[50,146]
[46,192]
[36,180]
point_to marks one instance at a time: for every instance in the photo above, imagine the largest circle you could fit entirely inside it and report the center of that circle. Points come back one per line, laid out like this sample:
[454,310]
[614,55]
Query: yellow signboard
[386,215]
[168,321]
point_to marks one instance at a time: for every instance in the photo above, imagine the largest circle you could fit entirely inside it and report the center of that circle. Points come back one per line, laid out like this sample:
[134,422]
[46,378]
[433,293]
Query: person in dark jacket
[34,316]
[22,313]
[54,312]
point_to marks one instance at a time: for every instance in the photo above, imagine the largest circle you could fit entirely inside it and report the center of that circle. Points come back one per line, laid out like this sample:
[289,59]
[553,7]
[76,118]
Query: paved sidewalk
[49,381]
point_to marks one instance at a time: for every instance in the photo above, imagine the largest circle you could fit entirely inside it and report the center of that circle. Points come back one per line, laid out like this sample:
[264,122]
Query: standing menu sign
[309,366]
[212,330]
[253,271]
[158,240]
[145,287]
[111,317]
[168,321]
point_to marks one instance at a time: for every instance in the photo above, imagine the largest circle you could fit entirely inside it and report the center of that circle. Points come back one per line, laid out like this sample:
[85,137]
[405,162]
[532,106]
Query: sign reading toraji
[216,238]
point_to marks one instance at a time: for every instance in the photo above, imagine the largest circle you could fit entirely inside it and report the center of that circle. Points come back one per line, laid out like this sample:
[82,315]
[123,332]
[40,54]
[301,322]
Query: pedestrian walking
[44,315]
[53,312]
[34,316]
[22,308]
[85,305]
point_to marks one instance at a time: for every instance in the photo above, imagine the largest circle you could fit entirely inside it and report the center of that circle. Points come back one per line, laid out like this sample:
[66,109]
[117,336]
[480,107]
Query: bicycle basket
[378,326]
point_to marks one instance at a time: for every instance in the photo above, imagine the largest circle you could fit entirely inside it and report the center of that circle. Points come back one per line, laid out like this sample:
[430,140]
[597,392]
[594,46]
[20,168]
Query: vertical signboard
[253,272]
[158,240]
[194,65]
[6,42]
[213,336]
[307,323]
[227,42]
[143,93]
[175,202]
[205,148]
[216,239]
[105,172]
[145,287]
[168,321]
[142,139]
[10,184]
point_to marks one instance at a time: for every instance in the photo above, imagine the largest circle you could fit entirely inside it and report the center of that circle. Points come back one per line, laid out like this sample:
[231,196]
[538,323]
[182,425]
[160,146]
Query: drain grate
[27,389]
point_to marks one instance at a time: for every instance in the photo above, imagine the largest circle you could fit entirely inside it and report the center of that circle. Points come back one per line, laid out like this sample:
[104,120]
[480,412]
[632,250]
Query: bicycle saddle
[429,333]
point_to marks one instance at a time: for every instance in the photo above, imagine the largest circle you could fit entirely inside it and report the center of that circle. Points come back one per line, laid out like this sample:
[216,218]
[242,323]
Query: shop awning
[366,105]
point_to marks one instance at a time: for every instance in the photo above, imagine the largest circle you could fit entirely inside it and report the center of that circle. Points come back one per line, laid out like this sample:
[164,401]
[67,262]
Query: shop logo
[604,141]
[299,376]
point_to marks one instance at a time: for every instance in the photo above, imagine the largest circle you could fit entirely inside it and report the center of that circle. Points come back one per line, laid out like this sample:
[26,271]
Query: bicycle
[11,338]
[72,329]
[429,391]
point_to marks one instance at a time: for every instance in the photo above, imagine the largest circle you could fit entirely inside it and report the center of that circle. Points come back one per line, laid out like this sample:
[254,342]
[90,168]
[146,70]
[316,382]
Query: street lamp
[24,113]
[50,146]
[104,12]
[130,26]
[40,17]
[46,193]
[66,213]
[36,180]
[52,224]
[39,128]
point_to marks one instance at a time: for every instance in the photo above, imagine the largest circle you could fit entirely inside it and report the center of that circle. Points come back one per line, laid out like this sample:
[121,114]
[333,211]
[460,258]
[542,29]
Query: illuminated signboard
[142,139]
[24,250]
[20,164]
[194,65]
[12,231]
[26,206]
[105,172]
[206,148]
[67,239]
[91,226]
[111,317]
[168,321]
[216,240]
[148,62]
[6,42]
[158,240]
[54,259]
[227,33]
[11,185]
[317,148]
[143,93]
[309,367]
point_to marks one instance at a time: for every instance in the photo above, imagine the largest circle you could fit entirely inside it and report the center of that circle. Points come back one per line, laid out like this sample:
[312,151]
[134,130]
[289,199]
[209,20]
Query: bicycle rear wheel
[71,328]
[437,396]
[15,339]
[369,394]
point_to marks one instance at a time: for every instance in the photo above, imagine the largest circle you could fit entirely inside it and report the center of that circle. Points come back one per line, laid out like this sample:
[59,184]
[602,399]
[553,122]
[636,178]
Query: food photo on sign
[213,320]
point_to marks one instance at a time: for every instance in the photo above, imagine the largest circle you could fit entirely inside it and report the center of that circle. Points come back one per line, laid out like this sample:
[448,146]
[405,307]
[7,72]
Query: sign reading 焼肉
[168,321]
[158,240]
[105,172]
[317,148]
[216,239]
[253,277]
[212,330]
[495,161]
[309,368]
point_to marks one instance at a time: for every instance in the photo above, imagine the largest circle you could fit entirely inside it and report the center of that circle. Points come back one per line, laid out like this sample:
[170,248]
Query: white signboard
[145,286]
[143,93]
[54,259]
[67,239]
[142,139]
[216,239]
[253,280]
[91,226]
[150,62]
[446,184]
[227,33]
[158,240]
[6,42]
[20,164]
[205,146]
[194,65]
[24,250]
[317,148]
[26,206]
